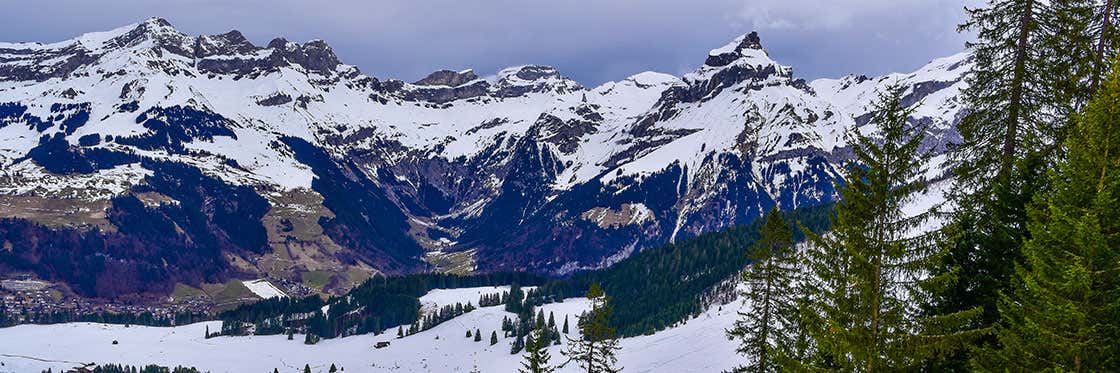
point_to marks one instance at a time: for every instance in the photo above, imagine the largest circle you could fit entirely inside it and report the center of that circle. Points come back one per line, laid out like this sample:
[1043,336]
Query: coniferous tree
[594,351]
[517,345]
[869,268]
[537,358]
[493,337]
[333,369]
[477,335]
[997,158]
[565,329]
[1062,314]
[768,329]
[400,331]
[1035,63]
[306,368]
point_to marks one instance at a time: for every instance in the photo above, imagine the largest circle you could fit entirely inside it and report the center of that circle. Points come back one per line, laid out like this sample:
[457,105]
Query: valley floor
[698,345]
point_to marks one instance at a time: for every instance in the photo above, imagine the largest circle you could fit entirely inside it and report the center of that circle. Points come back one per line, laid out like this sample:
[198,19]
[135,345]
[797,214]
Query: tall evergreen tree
[769,326]
[595,350]
[537,358]
[1007,139]
[493,338]
[870,269]
[1064,313]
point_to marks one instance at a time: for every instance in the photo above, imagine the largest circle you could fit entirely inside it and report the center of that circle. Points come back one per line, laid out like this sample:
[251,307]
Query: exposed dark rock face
[447,78]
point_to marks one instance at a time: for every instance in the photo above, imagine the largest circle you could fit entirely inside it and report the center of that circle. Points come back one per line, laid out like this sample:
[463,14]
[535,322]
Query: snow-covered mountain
[203,158]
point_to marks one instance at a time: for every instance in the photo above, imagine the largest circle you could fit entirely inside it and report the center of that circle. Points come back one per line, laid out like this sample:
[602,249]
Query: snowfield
[698,345]
[264,289]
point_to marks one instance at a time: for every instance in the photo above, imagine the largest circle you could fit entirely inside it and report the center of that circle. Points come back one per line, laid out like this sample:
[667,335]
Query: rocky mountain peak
[515,81]
[735,50]
[447,78]
[230,43]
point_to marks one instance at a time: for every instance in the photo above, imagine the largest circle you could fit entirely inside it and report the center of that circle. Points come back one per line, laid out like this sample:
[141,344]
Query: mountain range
[140,159]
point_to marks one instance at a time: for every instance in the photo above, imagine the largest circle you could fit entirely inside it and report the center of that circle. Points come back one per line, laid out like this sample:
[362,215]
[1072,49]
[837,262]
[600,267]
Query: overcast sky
[591,41]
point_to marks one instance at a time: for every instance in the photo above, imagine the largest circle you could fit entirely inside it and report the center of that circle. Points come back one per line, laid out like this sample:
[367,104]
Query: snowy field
[697,346]
[264,289]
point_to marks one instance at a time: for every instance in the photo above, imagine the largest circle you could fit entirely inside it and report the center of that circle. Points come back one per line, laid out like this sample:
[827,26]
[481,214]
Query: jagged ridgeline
[650,290]
[141,160]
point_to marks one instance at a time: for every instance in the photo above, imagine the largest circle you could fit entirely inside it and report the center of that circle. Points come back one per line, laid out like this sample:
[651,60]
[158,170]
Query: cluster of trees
[370,307]
[429,321]
[119,368]
[1025,273]
[593,350]
[659,287]
[140,318]
[489,300]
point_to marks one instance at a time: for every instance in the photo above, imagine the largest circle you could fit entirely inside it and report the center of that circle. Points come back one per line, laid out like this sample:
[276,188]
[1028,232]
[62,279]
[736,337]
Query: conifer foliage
[1063,312]
[869,270]
[594,351]
[768,330]
[537,358]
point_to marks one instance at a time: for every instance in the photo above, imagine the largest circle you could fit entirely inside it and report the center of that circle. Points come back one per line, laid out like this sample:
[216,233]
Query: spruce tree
[769,326]
[306,368]
[537,358]
[1007,140]
[493,338]
[565,329]
[477,335]
[400,331]
[595,350]
[869,270]
[1063,312]
[333,369]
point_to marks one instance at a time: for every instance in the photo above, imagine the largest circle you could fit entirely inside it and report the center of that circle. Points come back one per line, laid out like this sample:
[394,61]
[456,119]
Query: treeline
[119,368]
[380,302]
[659,287]
[125,318]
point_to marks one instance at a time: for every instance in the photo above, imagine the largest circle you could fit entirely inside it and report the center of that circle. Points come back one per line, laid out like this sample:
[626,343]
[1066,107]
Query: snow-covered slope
[525,169]
[696,346]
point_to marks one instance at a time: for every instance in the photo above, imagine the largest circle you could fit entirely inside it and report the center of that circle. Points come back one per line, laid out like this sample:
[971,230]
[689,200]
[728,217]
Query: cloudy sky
[591,41]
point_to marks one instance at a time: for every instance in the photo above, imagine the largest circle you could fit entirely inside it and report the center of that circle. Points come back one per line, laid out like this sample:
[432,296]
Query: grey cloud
[590,40]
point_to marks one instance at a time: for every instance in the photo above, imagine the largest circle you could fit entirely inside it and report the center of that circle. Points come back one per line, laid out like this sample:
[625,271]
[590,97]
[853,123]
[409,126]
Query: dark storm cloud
[590,40]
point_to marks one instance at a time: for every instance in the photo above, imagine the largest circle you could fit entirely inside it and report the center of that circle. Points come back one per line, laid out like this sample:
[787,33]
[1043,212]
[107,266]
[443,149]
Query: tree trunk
[764,332]
[1014,110]
[1106,22]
